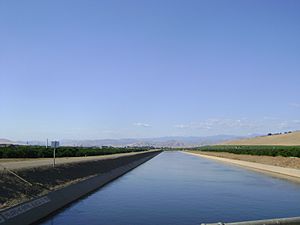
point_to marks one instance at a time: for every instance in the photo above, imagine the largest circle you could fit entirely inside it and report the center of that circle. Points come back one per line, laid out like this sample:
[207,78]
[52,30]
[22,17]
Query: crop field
[285,151]
[19,151]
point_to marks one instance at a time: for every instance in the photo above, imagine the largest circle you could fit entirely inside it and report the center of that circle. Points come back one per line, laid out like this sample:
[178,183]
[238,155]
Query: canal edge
[39,208]
[273,171]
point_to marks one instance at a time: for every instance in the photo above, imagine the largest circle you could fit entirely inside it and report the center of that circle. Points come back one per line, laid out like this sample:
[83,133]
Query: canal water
[177,188]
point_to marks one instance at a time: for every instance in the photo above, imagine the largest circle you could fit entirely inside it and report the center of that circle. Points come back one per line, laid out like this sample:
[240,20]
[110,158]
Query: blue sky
[115,69]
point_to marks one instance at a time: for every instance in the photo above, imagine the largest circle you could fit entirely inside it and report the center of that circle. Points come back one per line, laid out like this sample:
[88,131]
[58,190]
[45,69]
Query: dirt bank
[269,160]
[282,172]
[287,139]
[23,163]
[44,179]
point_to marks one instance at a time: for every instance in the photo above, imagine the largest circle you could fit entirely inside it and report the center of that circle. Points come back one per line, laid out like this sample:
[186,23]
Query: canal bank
[283,221]
[281,172]
[176,188]
[43,205]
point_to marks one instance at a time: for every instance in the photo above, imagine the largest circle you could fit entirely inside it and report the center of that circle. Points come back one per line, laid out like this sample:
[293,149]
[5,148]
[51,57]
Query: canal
[177,188]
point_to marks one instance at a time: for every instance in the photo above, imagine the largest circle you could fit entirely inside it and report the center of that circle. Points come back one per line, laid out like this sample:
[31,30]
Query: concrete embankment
[63,185]
[283,221]
[286,173]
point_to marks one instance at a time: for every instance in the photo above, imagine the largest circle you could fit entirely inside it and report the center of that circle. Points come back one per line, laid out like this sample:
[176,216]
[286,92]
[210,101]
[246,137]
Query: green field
[19,151]
[286,151]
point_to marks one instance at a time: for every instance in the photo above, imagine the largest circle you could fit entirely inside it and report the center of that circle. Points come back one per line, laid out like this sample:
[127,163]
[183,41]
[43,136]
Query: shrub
[20,151]
[286,151]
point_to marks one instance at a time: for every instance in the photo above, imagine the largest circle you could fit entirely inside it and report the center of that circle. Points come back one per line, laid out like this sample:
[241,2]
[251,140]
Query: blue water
[177,188]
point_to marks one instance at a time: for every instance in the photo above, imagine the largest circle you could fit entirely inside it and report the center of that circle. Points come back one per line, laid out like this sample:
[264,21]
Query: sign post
[54,145]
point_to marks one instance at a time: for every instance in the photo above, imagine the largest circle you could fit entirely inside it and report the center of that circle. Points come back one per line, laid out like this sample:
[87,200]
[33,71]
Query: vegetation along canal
[176,188]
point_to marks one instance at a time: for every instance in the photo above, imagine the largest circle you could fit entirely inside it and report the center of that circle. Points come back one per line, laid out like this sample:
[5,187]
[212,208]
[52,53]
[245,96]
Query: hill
[155,142]
[5,141]
[173,141]
[287,139]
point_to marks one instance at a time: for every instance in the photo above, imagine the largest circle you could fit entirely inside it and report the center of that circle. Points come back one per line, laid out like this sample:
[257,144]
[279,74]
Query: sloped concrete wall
[37,209]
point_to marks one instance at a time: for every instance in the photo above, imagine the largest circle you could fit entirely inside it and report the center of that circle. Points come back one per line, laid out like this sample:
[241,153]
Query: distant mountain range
[155,142]
[176,141]
[5,141]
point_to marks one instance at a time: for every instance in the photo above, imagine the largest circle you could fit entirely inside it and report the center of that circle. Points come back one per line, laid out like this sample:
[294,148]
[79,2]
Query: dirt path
[290,173]
[17,164]
[289,162]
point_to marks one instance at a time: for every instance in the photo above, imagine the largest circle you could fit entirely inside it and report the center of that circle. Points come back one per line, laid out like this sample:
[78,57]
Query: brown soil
[269,160]
[289,139]
[45,179]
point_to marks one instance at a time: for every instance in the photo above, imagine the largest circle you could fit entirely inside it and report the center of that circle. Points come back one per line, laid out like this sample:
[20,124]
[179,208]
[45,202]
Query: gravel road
[18,164]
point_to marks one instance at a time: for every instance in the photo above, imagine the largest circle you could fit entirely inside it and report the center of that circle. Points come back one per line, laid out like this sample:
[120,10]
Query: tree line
[286,151]
[22,151]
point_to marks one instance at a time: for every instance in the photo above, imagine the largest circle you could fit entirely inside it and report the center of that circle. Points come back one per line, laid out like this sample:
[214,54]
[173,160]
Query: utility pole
[54,156]
[54,145]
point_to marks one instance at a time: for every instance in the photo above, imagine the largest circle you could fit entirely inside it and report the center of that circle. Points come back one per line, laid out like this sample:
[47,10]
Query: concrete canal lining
[281,172]
[283,221]
[38,208]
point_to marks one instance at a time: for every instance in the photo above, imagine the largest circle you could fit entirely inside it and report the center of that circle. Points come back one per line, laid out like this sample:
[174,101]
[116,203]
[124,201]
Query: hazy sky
[114,69]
